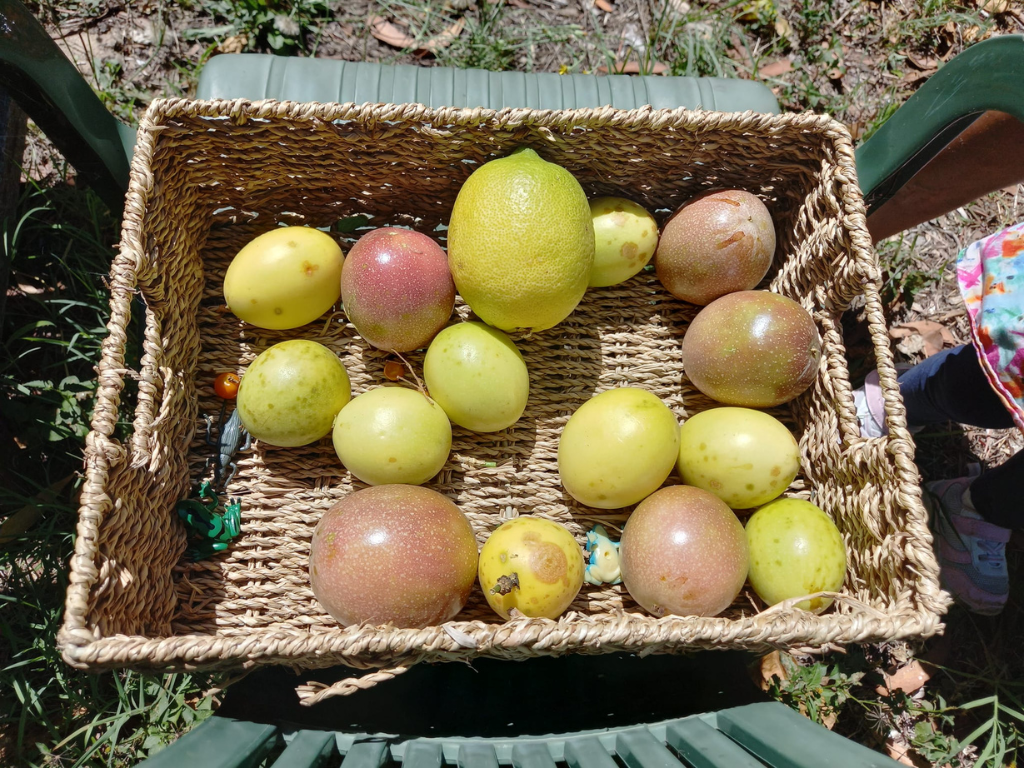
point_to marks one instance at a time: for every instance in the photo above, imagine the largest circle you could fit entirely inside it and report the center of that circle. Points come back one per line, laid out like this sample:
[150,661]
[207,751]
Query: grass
[970,713]
[60,242]
[905,273]
[282,28]
[58,248]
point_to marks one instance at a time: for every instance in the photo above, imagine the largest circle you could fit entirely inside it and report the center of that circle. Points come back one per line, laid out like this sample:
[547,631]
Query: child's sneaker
[871,407]
[971,551]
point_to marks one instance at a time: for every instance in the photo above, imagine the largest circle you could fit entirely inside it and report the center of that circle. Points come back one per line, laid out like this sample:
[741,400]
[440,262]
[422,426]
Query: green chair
[751,736]
[987,77]
[614,711]
[261,76]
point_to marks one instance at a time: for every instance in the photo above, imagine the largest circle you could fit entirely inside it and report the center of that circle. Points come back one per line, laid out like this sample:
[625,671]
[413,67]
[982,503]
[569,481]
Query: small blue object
[603,558]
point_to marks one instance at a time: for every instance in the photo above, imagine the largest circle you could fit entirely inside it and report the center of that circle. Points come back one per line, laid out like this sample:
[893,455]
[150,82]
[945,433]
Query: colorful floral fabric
[991,277]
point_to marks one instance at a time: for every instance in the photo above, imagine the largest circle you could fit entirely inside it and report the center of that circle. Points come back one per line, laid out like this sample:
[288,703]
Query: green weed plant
[58,250]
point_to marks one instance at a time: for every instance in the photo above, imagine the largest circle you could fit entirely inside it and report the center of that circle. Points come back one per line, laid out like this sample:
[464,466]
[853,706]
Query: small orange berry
[226,385]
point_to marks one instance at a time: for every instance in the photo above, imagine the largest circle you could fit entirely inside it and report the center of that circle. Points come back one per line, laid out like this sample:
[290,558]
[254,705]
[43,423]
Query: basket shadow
[493,698]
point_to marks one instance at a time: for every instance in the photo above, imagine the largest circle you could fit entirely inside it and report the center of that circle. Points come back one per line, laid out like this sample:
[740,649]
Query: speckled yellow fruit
[795,550]
[392,435]
[291,393]
[536,563]
[478,376]
[284,278]
[521,242]
[618,448]
[625,236]
[743,456]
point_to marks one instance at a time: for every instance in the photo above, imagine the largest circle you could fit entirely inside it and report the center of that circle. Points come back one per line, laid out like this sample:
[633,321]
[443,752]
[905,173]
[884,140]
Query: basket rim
[86,648]
[367,646]
[241,110]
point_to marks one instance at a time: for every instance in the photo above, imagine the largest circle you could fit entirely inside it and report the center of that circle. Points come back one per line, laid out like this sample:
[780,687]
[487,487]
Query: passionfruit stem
[419,384]
[506,584]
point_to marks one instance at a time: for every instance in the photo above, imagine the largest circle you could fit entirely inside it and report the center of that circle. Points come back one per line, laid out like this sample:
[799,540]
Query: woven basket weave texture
[209,176]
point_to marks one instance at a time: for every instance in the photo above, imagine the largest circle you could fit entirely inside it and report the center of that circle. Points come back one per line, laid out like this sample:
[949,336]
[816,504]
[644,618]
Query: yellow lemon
[521,242]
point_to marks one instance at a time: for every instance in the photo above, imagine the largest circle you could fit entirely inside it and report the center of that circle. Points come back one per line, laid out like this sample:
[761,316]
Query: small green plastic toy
[210,530]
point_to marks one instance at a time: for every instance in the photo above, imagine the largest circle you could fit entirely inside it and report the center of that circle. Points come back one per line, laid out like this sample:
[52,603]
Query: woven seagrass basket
[209,176]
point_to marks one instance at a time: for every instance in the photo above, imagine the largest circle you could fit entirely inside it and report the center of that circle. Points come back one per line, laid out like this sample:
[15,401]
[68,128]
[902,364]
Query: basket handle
[314,692]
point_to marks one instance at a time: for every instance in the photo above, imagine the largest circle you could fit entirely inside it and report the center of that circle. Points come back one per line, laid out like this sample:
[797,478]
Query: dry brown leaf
[908,679]
[388,33]
[911,345]
[604,5]
[836,73]
[920,327]
[934,336]
[776,68]
[443,40]
[31,289]
[739,48]
[783,28]
[995,7]
[233,44]
[924,63]
[771,667]
[633,68]
[912,77]
[391,34]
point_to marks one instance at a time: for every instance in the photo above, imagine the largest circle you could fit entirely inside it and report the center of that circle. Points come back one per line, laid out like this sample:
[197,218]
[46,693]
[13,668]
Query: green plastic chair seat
[987,76]
[750,736]
[262,76]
